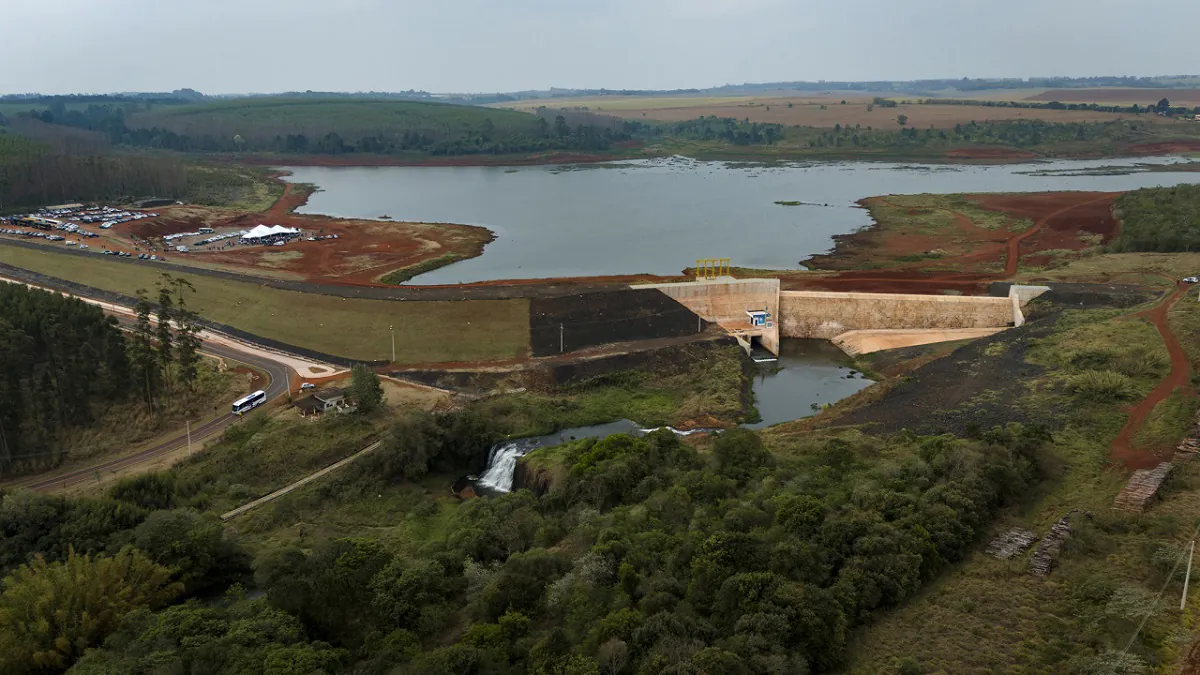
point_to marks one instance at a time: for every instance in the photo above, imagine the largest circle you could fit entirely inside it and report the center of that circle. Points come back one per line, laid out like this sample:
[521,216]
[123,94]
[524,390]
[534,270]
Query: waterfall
[502,464]
[502,458]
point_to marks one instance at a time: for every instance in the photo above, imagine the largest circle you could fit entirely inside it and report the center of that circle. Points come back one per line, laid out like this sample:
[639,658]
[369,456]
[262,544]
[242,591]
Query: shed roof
[329,393]
[309,404]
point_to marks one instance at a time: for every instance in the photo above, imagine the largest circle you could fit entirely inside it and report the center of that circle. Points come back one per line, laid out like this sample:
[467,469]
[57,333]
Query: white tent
[261,231]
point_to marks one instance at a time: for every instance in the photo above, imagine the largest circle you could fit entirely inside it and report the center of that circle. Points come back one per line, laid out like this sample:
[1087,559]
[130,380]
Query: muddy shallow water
[659,216]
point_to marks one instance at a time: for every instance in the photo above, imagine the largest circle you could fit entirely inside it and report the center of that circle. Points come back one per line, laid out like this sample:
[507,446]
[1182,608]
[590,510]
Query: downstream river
[659,216]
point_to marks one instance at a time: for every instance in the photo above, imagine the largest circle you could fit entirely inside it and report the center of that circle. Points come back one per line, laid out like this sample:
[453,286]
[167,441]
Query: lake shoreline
[965,156]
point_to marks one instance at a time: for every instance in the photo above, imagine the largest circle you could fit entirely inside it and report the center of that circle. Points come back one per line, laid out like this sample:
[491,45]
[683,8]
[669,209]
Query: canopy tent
[261,231]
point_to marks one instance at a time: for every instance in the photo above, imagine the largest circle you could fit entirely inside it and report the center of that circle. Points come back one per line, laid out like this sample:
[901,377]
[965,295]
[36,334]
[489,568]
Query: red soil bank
[989,153]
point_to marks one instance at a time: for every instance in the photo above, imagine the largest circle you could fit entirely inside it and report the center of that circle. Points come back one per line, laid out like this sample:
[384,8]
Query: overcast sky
[238,46]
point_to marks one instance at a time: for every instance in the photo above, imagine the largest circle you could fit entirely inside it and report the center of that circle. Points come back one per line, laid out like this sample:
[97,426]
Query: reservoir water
[659,216]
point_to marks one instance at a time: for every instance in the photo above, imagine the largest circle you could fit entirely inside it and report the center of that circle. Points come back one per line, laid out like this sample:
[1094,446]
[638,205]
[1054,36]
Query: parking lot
[69,225]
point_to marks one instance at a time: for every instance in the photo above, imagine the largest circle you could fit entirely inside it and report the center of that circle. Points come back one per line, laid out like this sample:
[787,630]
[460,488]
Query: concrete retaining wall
[825,315]
[726,300]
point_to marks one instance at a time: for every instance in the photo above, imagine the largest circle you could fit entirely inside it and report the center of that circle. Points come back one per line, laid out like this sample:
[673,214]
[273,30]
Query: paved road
[278,373]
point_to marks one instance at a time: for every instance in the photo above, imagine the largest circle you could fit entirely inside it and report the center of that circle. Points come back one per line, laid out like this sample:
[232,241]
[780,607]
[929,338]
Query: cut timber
[1047,552]
[1189,446]
[857,342]
[1141,488]
[1011,543]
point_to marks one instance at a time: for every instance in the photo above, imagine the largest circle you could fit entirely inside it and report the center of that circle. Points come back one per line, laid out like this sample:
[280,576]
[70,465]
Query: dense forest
[63,362]
[641,555]
[33,173]
[1159,220]
[60,358]
[329,126]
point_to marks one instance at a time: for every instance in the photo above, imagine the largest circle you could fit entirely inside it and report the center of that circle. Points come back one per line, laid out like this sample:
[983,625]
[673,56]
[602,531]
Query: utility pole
[1187,577]
[392,330]
[189,435]
[561,348]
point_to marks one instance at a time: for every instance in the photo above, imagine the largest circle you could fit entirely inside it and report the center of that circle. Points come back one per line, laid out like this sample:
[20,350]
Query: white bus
[250,401]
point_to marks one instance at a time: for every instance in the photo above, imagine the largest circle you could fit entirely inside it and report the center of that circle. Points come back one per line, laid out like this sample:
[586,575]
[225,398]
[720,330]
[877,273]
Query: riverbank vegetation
[1159,220]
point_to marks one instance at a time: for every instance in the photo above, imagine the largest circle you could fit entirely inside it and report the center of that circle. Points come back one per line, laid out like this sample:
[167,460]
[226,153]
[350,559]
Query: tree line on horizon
[126,124]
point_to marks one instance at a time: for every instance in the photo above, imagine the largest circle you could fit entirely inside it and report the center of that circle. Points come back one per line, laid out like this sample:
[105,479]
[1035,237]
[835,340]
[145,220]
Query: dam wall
[725,301]
[825,315]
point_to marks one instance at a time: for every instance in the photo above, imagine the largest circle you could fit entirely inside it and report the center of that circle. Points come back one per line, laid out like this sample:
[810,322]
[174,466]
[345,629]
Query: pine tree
[187,338]
[142,356]
[163,332]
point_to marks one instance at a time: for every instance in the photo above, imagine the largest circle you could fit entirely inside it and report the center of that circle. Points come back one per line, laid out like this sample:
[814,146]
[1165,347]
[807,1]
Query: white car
[1191,280]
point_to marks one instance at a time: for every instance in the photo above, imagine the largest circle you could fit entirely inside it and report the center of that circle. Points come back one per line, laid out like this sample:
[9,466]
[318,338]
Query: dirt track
[1063,222]
[1105,226]
[1181,370]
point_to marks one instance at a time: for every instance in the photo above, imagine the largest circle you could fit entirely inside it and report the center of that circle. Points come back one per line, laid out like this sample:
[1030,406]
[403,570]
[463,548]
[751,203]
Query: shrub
[1101,385]
[51,612]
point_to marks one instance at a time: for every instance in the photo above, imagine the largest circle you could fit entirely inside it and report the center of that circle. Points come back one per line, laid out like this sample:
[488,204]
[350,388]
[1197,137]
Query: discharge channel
[808,375]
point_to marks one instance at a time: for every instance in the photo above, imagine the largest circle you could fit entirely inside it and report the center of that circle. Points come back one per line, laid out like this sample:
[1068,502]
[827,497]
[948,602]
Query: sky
[243,46]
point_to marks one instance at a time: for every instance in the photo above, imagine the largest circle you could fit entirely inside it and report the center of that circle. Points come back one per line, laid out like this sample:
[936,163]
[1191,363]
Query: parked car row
[140,256]
[34,233]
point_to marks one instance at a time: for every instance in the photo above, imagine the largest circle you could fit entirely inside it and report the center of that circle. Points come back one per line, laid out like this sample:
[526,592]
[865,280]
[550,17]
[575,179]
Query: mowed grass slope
[470,330]
[317,116]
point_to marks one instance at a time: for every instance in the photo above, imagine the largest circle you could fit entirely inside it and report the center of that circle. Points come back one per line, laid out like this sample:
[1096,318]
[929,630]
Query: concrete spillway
[911,318]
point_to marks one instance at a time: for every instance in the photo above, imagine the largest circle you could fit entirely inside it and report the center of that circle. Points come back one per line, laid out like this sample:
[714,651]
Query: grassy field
[425,331]
[817,112]
[1153,269]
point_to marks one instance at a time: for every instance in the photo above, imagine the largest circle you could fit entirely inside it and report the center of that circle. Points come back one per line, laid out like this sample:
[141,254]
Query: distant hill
[342,125]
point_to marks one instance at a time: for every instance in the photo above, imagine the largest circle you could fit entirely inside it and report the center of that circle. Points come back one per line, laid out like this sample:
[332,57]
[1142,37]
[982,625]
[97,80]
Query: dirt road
[1181,370]
[278,374]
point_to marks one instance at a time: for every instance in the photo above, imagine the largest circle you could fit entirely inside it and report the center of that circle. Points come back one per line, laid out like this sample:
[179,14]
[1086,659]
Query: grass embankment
[987,612]
[403,274]
[359,329]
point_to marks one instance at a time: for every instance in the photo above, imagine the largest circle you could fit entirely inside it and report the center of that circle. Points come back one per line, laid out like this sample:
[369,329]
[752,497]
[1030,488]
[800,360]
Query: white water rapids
[502,459]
